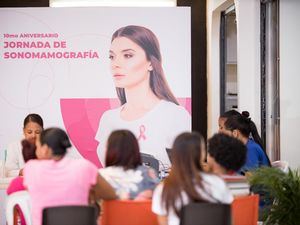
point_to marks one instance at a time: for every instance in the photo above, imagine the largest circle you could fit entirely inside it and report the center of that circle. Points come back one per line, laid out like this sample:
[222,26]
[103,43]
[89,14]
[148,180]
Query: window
[228,61]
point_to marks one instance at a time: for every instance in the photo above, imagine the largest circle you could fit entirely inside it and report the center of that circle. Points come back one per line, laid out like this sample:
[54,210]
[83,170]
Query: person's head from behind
[123,150]
[53,143]
[225,154]
[187,155]
[136,59]
[28,150]
[223,117]
[32,127]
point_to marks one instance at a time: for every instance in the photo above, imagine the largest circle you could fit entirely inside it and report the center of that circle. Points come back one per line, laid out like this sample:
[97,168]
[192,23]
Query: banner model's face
[129,64]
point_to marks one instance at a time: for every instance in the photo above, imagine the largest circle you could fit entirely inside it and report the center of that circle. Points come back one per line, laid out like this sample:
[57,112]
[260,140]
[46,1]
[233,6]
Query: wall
[248,59]
[289,81]
[214,9]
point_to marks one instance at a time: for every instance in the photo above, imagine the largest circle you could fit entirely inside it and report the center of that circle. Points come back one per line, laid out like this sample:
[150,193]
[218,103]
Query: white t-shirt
[215,191]
[155,131]
[14,161]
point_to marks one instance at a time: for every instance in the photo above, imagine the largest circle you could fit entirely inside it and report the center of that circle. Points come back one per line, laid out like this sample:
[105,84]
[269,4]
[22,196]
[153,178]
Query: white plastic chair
[22,199]
[282,165]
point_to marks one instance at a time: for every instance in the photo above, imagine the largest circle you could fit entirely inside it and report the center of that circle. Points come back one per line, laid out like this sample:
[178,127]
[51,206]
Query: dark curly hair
[227,151]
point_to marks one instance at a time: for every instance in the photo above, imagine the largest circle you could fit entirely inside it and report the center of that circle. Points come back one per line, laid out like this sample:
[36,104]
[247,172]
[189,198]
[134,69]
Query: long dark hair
[57,139]
[123,150]
[246,126]
[185,171]
[147,40]
[28,150]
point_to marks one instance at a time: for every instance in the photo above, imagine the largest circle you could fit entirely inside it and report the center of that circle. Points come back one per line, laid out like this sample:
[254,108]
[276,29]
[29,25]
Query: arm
[103,190]
[157,206]
[162,220]
[102,134]
[12,162]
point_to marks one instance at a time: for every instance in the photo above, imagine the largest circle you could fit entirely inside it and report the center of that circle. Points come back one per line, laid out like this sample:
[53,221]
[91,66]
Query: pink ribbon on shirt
[142,133]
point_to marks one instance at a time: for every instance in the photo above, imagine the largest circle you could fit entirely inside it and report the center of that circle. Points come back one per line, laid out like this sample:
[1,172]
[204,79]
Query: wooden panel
[199,79]
[24,3]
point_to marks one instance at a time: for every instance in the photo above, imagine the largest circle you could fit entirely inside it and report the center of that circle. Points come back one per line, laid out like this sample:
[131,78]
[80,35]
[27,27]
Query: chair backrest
[22,199]
[245,210]
[282,165]
[202,213]
[149,160]
[127,212]
[70,215]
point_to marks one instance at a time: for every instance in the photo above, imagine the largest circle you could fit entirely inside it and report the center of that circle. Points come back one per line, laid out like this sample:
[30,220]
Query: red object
[245,210]
[128,212]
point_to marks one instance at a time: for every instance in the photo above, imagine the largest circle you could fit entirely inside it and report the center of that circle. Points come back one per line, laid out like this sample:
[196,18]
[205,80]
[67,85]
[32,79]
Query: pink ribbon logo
[142,133]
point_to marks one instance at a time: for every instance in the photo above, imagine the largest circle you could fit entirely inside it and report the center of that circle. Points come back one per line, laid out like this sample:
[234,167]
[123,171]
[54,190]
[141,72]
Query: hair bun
[66,143]
[246,114]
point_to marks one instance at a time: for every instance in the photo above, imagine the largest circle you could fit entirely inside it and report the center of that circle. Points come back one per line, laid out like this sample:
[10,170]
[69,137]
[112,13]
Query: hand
[21,172]
[205,167]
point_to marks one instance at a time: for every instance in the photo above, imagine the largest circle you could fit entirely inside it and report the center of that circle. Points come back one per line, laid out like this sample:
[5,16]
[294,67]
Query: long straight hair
[123,150]
[185,172]
[147,40]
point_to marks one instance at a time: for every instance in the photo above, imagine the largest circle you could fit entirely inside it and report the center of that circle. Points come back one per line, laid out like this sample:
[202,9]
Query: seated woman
[56,180]
[124,169]
[242,128]
[32,128]
[187,182]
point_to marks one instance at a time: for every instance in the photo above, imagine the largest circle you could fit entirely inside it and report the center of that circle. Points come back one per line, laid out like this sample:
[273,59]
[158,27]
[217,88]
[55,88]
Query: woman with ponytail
[243,128]
[148,107]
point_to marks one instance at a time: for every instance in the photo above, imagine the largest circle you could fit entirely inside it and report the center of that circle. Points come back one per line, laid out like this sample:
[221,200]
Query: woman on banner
[148,107]
[32,128]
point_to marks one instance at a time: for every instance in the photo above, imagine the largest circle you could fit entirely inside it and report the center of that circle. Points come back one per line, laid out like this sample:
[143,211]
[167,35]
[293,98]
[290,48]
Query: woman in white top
[32,127]
[148,107]
[187,182]
[124,171]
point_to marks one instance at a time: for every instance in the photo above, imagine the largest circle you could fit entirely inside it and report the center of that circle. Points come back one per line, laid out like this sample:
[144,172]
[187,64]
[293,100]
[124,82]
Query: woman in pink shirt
[56,180]
[28,152]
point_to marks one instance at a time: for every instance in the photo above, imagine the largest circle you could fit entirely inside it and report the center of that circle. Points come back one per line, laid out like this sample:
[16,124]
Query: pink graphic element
[81,119]
[142,133]
[186,103]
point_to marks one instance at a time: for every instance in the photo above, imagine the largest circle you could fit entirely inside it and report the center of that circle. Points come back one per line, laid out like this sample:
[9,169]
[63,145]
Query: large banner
[95,70]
